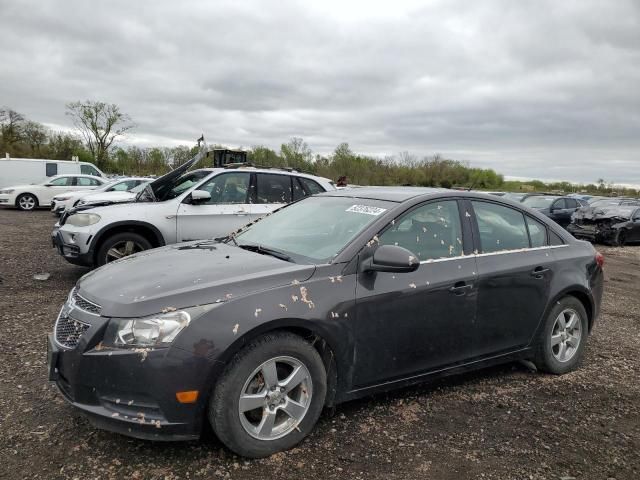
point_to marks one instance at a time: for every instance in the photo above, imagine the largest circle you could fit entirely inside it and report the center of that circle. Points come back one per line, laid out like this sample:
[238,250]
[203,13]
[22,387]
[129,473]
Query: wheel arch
[319,339]
[145,229]
[583,296]
[21,194]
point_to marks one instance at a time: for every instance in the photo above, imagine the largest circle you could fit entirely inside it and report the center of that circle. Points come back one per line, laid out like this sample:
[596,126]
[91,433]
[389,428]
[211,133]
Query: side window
[571,203]
[537,233]
[298,191]
[94,182]
[431,231]
[122,186]
[273,188]
[51,169]
[554,238]
[228,188]
[501,228]
[62,182]
[636,216]
[89,170]
[85,182]
[559,204]
[311,186]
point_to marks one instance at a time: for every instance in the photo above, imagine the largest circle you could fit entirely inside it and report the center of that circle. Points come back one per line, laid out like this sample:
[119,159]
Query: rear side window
[311,186]
[501,228]
[537,232]
[430,231]
[554,238]
[298,191]
[273,188]
[51,169]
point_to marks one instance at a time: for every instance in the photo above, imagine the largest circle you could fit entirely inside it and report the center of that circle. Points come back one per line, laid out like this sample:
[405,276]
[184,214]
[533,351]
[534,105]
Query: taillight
[600,259]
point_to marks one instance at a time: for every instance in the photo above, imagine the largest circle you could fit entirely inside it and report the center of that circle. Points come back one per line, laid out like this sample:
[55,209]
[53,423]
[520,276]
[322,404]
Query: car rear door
[411,323]
[514,277]
[227,209]
[270,192]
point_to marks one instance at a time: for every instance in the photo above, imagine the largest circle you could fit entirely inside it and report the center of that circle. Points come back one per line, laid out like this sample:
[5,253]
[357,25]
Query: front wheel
[563,338]
[121,245]
[26,202]
[270,396]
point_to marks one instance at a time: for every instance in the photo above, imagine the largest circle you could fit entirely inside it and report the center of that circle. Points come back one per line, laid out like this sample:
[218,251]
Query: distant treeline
[21,137]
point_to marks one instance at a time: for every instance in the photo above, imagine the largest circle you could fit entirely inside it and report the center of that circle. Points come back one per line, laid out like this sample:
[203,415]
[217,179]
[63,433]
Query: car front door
[272,191]
[411,323]
[227,210]
[54,187]
[514,277]
[562,209]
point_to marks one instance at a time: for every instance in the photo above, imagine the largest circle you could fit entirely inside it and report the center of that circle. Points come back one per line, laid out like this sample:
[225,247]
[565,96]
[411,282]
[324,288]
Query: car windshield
[315,229]
[538,201]
[179,185]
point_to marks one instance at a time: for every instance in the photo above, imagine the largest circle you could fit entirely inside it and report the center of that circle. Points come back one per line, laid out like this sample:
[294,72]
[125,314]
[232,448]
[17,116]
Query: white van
[27,171]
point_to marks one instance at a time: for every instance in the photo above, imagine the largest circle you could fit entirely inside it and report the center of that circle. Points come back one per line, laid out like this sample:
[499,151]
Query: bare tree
[35,135]
[10,125]
[100,124]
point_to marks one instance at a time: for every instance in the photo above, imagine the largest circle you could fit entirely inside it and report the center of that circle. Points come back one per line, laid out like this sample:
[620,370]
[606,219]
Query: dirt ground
[502,423]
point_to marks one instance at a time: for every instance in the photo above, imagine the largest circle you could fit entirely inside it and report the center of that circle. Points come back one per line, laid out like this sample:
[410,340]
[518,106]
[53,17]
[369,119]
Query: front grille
[84,304]
[69,331]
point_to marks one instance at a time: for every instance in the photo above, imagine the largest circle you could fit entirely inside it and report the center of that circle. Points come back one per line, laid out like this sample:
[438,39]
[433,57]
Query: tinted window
[501,228]
[311,186]
[559,204]
[554,238]
[298,191]
[124,186]
[89,170]
[636,215]
[228,188]
[51,169]
[537,232]
[571,203]
[273,188]
[430,231]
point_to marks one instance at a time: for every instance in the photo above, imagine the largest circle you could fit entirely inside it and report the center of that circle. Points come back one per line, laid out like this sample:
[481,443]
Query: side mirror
[199,196]
[391,258]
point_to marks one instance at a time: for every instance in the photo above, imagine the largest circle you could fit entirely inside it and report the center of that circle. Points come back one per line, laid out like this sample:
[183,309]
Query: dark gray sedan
[332,298]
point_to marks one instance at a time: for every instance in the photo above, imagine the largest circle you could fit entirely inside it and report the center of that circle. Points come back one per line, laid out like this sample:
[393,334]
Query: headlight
[8,190]
[153,331]
[83,219]
[62,198]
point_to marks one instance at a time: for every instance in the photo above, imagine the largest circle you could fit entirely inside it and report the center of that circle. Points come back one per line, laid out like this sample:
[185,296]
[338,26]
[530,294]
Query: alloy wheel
[123,249]
[566,335]
[27,202]
[275,398]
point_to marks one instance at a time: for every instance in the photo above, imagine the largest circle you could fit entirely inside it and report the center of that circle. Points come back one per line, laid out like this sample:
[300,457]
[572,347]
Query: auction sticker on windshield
[366,209]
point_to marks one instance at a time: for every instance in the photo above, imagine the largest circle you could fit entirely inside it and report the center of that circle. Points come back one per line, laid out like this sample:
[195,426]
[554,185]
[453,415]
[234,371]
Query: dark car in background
[615,223]
[557,208]
[332,298]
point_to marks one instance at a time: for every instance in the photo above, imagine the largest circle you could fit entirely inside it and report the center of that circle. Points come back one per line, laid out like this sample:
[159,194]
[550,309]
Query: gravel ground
[502,423]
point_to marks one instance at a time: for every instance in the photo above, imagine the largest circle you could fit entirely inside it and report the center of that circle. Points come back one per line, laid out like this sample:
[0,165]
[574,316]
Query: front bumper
[57,207]
[7,199]
[128,391]
[74,247]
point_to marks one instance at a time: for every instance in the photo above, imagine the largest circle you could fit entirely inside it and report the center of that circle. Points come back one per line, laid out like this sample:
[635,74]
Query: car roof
[79,175]
[391,194]
[273,170]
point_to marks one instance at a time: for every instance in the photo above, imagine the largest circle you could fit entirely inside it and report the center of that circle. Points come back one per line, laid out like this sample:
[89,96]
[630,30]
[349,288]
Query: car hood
[184,275]
[22,187]
[75,193]
[108,196]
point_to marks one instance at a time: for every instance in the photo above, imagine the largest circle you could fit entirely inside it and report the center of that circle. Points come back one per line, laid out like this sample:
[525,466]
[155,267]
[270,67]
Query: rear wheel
[270,396]
[564,337]
[121,245]
[27,202]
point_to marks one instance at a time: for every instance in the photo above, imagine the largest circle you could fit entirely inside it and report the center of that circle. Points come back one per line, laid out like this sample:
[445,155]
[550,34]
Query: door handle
[460,288]
[539,272]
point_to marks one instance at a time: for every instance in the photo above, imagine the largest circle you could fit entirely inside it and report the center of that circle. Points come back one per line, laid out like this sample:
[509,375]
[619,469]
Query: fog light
[189,396]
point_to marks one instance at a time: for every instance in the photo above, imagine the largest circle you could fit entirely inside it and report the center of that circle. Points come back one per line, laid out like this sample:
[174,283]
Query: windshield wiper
[266,251]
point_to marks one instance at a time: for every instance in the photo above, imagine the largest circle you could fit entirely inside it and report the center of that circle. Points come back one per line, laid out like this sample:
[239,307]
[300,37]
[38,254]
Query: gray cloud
[540,89]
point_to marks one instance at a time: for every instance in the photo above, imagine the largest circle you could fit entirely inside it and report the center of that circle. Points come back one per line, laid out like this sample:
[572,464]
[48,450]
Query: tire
[555,339]
[122,243]
[243,375]
[27,202]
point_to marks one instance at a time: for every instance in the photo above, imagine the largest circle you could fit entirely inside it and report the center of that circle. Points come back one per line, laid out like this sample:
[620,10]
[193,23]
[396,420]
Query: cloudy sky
[544,89]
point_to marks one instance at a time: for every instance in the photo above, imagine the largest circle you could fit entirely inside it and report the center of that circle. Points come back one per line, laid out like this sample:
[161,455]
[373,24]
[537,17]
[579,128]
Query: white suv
[179,207]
